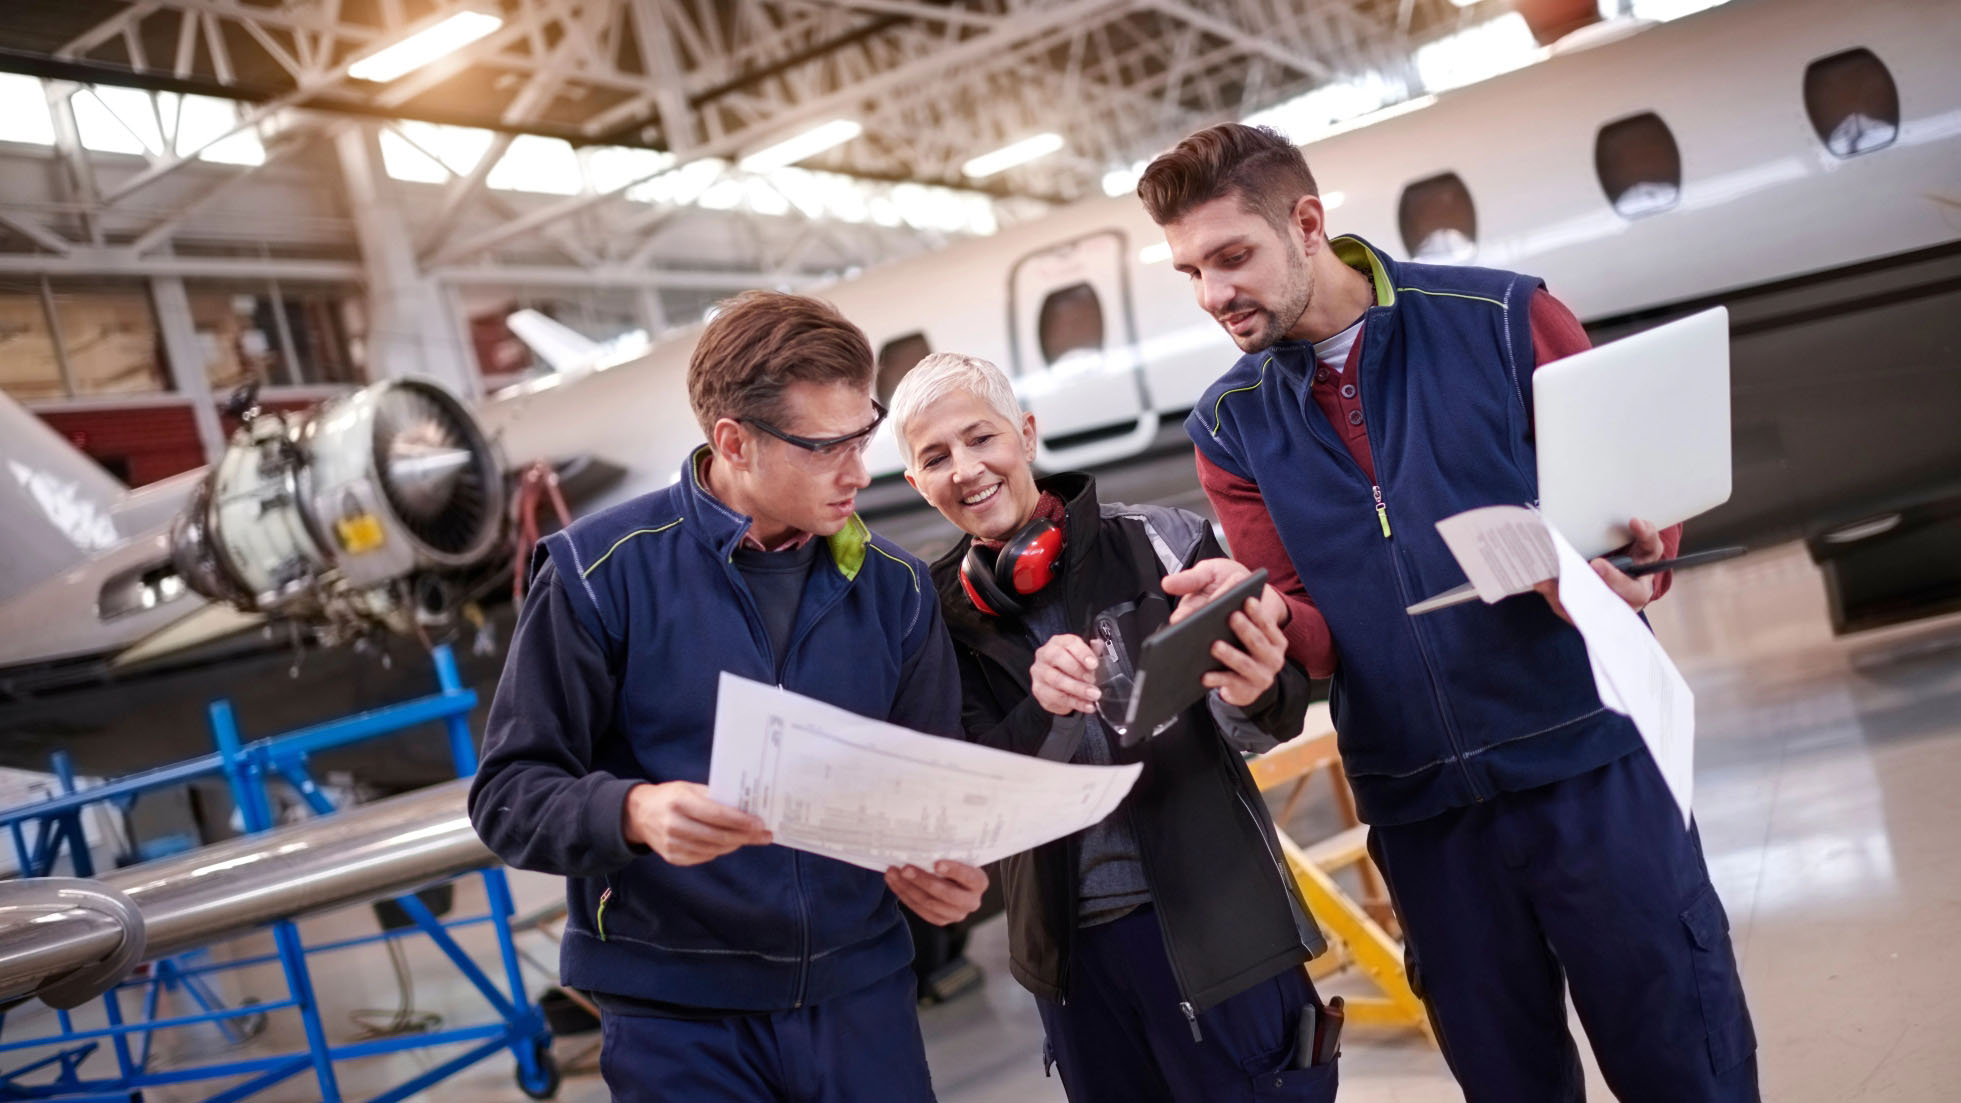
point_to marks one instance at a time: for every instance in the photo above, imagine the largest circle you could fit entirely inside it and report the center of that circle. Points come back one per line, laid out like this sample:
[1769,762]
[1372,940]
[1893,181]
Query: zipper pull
[1191,1017]
[1381,511]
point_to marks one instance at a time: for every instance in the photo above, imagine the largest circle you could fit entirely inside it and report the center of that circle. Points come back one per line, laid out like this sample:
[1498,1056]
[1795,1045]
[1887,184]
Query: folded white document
[1504,550]
[831,782]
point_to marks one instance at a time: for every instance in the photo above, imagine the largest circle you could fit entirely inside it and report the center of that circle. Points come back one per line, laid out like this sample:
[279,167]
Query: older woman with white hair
[1164,945]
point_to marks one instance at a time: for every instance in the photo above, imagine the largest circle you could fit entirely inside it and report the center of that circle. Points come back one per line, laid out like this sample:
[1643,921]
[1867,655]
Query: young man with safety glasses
[727,968]
[1164,945]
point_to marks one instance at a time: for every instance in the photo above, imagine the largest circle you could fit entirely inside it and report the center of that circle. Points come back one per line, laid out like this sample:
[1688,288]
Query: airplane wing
[212,621]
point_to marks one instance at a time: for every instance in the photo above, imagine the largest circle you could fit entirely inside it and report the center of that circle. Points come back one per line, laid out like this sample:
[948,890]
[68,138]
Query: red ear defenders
[999,582]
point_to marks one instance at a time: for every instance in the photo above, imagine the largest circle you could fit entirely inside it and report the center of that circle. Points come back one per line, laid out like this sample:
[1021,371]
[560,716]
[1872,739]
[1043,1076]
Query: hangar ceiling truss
[933,83]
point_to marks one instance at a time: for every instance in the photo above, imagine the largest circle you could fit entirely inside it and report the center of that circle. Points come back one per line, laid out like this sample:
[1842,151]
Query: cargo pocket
[1724,1018]
[1312,1085]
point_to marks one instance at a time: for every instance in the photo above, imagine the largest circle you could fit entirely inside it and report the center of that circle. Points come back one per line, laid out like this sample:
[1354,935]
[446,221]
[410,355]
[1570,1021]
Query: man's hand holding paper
[1646,547]
[950,893]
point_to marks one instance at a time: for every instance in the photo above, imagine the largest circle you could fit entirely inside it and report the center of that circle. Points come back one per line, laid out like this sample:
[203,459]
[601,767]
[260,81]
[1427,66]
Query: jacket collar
[1381,270]
[721,527]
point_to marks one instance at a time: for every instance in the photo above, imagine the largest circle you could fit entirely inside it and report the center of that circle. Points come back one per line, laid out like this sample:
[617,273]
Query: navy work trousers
[1591,884]
[1120,1037]
[863,1047]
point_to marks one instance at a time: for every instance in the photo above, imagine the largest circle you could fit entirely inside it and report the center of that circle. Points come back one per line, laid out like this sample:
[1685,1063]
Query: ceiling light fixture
[1008,156]
[808,144]
[424,46]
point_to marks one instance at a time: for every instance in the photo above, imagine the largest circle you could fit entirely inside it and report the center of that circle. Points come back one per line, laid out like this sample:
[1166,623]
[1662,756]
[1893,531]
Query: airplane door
[1075,359]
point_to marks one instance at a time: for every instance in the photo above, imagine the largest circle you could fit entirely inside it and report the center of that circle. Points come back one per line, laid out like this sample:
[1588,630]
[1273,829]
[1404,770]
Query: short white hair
[941,374]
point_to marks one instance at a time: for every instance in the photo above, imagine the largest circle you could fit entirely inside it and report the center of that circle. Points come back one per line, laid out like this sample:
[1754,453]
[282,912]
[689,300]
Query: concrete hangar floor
[1826,774]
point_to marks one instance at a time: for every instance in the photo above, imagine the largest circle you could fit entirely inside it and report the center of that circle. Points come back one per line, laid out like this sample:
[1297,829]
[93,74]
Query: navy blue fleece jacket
[611,681]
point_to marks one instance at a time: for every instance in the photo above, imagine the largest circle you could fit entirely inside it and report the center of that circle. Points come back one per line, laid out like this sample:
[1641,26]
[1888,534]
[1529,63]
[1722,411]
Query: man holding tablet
[1165,944]
[1528,839]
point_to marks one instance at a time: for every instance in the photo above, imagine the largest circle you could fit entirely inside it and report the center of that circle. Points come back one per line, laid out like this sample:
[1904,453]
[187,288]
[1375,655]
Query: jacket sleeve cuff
[1273,719]
[1251,713]
[606,822]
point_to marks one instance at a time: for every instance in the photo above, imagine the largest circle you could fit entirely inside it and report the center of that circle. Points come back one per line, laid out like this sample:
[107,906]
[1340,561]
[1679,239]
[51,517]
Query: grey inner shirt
[776,581]
[1109,870]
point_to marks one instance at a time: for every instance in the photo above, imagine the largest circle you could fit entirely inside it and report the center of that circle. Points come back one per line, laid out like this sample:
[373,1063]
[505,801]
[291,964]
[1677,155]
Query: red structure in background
[1552,20]
[139,444]
[142,444]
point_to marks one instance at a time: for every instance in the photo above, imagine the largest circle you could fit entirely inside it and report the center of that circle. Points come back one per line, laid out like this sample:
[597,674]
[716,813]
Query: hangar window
[1438,220]
[897,357]
[1639,165]
[281,334]
[107,331]
[1070,319]
[29,366]
[1853,103]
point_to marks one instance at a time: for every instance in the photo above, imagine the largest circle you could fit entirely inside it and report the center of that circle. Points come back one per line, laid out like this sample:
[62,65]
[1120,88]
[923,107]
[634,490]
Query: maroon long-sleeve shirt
[1249,529]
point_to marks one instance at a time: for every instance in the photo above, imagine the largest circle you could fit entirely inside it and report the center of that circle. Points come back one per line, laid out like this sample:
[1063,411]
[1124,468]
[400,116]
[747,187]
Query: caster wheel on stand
[545,1084]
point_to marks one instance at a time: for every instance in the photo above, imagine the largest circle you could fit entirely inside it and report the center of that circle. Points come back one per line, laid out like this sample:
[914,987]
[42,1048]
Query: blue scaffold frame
[248,768]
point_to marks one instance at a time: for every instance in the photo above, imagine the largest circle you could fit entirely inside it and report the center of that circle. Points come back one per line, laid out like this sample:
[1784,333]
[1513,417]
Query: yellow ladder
[1356,930]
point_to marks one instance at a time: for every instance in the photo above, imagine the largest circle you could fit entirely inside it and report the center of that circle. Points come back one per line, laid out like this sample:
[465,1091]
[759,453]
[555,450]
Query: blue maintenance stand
[46,830]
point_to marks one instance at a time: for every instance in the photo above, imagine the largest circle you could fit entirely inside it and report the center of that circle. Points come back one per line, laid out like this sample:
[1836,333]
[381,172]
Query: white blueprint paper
[831,782]
[1631,670]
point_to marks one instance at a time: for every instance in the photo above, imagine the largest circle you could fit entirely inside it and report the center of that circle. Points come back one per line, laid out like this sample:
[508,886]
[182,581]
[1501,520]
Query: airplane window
[1438,220]
[1853,103]
[1639,165]
[897,357]
[1070,319]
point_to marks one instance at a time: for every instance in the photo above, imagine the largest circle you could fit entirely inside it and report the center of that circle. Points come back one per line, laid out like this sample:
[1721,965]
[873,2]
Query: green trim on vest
[1454,295]
[1218,406]
[587,573]
[909,567]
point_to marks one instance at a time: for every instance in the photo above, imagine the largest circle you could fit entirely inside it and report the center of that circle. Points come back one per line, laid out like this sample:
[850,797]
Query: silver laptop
[1636,428]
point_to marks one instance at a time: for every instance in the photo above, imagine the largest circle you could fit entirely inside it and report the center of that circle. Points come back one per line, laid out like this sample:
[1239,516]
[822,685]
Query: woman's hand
[1063,678]
[1250,672]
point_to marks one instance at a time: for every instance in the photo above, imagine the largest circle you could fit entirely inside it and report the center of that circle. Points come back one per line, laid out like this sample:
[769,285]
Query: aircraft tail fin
[60,504]
[559,346]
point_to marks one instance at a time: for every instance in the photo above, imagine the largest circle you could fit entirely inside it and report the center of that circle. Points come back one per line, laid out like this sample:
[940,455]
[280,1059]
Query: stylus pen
[1465,594]
[1627,566]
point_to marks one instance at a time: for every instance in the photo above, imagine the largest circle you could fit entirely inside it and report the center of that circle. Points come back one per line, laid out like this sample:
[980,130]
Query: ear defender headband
[999,582]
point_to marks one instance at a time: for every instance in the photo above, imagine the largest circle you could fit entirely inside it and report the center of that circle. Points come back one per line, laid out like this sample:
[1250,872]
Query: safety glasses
[826,451]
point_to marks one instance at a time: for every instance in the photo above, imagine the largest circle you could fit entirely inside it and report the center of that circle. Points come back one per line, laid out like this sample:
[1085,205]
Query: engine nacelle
[350,516]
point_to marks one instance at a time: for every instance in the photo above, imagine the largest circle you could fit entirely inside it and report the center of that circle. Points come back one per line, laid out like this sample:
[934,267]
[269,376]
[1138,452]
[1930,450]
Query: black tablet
[1175,658]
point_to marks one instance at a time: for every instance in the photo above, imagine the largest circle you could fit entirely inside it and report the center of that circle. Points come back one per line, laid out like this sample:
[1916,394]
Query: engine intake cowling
[350,515]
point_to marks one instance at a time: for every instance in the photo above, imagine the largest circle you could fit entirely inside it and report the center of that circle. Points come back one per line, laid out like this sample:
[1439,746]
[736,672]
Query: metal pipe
[65,938]
[375,850]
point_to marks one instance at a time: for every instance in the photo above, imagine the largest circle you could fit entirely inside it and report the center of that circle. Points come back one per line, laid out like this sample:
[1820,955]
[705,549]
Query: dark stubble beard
[1284,315]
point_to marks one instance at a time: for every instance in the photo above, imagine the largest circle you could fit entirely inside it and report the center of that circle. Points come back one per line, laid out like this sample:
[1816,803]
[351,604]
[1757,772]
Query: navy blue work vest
[1443,710]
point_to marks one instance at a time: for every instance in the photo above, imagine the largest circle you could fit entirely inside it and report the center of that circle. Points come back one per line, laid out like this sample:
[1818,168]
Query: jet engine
[358,514]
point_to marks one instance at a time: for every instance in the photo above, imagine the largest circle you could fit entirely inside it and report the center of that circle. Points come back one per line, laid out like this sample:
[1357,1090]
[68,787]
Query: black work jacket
[1227,906]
